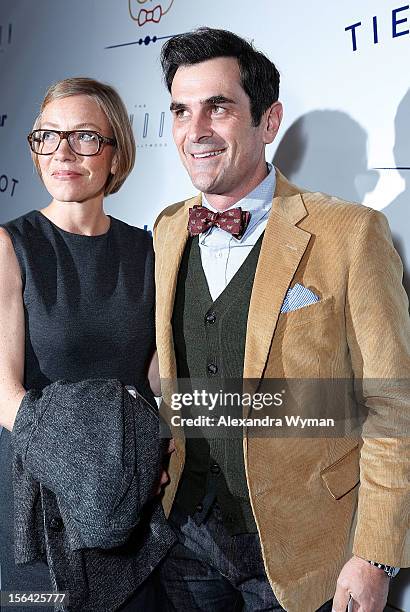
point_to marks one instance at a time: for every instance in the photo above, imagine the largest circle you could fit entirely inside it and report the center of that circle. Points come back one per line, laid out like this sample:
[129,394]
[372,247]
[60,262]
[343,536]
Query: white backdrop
[345,89]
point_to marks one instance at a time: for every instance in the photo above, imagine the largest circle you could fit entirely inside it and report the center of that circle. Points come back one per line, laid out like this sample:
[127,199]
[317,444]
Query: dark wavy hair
[259,76]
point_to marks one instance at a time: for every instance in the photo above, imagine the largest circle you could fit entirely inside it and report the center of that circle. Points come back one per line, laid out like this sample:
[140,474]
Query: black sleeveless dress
[89,312]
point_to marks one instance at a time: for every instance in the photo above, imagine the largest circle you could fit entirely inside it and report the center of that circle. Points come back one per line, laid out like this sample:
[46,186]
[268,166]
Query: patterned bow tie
[234,221]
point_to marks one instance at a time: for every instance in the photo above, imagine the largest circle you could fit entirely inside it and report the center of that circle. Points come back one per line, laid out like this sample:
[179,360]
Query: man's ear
[272,118]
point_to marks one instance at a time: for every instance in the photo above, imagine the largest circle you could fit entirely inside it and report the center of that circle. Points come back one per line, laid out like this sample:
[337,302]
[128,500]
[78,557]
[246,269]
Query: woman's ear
[114,164]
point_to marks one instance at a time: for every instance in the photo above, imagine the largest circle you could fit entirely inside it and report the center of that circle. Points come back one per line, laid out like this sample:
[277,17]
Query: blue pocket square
[298,297]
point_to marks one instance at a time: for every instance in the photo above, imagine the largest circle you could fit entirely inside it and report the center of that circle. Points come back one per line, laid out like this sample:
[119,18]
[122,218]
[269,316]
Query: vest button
[199,508]
[56,524]
[212,369]
[215,469]
[210,318]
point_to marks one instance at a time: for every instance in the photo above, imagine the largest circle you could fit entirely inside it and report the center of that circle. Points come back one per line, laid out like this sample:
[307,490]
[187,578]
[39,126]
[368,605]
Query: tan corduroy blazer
[310,509]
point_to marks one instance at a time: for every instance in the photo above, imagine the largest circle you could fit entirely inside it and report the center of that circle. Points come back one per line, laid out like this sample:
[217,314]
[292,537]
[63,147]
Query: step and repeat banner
[345,89]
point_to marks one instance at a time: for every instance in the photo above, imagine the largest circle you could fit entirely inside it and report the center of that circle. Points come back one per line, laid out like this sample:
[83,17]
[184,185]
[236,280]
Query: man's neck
[222,202]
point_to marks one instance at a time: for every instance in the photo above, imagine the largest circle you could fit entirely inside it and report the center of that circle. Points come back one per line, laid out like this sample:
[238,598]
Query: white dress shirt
[221,254]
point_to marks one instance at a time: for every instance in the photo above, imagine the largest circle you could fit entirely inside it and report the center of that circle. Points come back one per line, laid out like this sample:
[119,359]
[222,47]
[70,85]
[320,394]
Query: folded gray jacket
[87,461]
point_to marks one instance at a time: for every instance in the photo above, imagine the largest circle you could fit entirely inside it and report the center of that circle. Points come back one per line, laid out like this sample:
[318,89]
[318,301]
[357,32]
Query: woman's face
[67,176]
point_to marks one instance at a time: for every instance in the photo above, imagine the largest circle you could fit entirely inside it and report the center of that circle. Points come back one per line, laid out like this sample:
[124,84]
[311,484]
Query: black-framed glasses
[82,142]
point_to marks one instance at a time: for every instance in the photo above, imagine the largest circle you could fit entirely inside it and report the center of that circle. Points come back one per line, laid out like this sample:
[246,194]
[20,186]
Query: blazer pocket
[343,475]
[306,314]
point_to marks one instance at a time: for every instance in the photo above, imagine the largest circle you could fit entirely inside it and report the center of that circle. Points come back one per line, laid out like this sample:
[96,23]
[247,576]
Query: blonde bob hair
[111,104]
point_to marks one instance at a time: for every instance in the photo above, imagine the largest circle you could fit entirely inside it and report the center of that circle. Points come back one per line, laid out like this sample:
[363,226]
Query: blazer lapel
[282,249]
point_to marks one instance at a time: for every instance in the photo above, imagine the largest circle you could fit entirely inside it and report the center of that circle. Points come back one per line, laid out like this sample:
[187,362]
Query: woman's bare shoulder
[9,267]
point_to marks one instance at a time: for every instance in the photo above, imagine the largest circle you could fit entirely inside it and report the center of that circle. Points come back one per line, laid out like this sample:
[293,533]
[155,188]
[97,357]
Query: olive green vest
[209,340]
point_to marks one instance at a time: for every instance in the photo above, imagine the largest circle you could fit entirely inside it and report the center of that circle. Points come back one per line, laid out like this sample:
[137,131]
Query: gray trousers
[209,570]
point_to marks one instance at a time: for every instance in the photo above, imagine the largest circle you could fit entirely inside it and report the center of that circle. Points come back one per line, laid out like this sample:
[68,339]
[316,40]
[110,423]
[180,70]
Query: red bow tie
[234,221]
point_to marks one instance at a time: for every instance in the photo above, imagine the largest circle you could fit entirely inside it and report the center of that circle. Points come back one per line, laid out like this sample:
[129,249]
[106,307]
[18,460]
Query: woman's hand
[164,480]
[11,333]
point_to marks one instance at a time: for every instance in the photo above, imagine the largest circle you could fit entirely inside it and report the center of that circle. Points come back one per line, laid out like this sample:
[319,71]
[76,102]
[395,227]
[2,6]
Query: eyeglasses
[82,142]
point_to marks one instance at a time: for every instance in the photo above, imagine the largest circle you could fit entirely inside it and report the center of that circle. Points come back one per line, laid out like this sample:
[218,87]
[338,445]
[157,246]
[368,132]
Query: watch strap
[390,570]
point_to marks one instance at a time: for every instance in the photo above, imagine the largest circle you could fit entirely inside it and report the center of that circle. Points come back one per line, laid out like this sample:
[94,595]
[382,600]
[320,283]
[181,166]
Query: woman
[76,285]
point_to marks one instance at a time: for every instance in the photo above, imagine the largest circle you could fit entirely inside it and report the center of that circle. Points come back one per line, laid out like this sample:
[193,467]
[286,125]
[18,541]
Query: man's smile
[207,154]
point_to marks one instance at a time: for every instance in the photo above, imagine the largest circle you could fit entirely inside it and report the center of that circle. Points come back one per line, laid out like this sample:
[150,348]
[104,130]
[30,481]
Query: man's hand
[164,480]
[368,585]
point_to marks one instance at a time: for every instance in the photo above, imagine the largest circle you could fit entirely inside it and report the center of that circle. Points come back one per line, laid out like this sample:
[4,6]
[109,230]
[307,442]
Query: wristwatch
[389,569]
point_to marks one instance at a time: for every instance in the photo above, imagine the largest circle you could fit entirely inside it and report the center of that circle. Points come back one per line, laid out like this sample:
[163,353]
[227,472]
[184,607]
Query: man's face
[219,146]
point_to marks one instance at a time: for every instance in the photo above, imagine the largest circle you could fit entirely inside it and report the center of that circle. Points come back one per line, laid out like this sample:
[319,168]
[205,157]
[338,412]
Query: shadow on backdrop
[398,211]
[327,151]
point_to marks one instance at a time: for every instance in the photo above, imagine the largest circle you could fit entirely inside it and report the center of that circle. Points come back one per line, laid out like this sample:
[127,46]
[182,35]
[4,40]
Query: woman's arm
[153,375]
[11,333]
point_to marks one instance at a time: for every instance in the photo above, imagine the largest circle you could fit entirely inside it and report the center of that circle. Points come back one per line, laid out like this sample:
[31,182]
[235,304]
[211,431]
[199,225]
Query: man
[291,285]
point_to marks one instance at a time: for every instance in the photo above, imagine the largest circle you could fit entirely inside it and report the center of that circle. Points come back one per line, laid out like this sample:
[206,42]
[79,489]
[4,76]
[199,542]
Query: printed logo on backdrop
[361,33]
[8,185]
[6,36]
[369,32]
[149,127]
[147,13]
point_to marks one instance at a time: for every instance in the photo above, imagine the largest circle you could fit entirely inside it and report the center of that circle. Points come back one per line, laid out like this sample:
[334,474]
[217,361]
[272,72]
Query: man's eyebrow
[175,106]
[212,101]
[215,100]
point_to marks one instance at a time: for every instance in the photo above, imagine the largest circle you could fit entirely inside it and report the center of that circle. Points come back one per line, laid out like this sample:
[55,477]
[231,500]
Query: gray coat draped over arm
[87,461]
